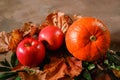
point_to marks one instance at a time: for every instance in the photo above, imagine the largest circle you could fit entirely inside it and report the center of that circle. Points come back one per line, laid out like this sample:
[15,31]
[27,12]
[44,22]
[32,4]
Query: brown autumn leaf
[37,75]
[116,72]
[75,17]
[102,76]
[58,19]
[49,73]
[18,67]
[4,41]
[75,66]
[53,71]
[63,68]
[32,73]
[28,73]
[29,29]
[57,69]
[16,37]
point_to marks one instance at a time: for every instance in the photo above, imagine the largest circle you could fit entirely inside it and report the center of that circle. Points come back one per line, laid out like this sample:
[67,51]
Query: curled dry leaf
[16,37]
[75,17]
[63,68]
[102,76]
[38,75]
[55,70]
[75,66]
[29,29]
[58,19]
[27,73]
[18,67]
[33,73]
[4,41]
[116,72]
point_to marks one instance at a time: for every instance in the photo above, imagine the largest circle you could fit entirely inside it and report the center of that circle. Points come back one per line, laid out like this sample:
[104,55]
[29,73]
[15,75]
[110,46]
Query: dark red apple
[30,52]
[53,36]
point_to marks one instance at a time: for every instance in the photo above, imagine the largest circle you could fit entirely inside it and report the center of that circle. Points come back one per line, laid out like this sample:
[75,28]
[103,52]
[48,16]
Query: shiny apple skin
[30,52]
[53,36]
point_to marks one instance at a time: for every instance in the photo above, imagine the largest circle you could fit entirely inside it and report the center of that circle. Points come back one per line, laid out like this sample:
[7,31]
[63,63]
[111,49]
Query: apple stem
[27,44]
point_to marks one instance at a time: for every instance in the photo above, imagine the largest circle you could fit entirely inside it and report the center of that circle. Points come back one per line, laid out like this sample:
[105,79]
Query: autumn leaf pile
[57,65]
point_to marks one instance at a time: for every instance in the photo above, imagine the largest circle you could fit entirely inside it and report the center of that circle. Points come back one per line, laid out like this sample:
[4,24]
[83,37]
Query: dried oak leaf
[56,69]
[63,68]
[16,37]
[33,74]
[29,29]
[27,73]
[74,66]
[38,75]
[4,41]
[18,67]
[102,76]
[75,17]
[59,68]
[58,19]
[116,72]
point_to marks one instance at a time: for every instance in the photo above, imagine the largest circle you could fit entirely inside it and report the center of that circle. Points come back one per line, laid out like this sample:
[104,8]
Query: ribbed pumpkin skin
[87,39]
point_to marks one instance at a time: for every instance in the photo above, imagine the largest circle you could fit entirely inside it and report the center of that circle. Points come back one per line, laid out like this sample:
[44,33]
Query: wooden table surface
[13,13]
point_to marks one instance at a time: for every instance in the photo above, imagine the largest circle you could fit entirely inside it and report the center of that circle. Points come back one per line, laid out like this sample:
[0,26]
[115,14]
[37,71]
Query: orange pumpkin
[87,39]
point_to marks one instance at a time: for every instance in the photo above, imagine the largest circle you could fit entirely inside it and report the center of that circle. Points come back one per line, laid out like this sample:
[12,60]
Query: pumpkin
[87,39]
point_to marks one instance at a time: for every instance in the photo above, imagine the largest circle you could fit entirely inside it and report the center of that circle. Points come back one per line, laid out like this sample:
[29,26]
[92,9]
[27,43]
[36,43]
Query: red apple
[30,52]
[53,36]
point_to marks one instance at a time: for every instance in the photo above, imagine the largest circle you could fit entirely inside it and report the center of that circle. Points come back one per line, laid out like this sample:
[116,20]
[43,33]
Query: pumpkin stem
[93,38]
